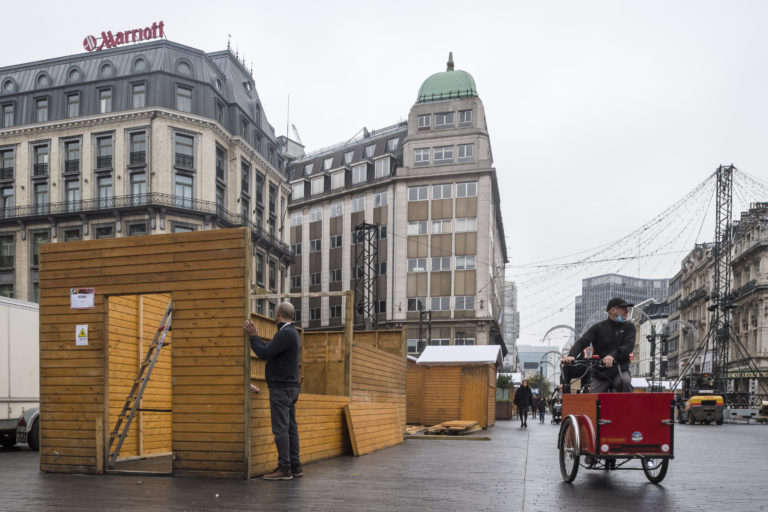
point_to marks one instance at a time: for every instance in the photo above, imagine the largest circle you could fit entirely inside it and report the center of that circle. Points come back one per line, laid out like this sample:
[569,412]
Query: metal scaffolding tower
[366,275]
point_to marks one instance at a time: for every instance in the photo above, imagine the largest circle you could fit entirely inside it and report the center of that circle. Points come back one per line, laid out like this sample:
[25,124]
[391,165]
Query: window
[272,200]
[335,275]
[465,152]
[41,199]
[38,238]
[6,201]
[392,144]
[70,234]
[296,219]
[71,156]
[105,101]
[41,160]
[183,190]
[359,173]
[465,262]
[382,167]
[315,245]
[379,199]
[444,120]
[138,181]
[337,180]
[41,110]
[295,281]
[104,152]
[315,278]
[423,121]
[138,95]
[183,98]
[73,104]
[441,303]
[137,228]
[442,191]
[382,232]
[260,179]
[327,163]
[441,226]
[417,304]
[177,227]
[72,194]
[272,275]
[369,150]
[348,157]
[7,164]
[318,185]
[336,241]
[296,248]
[219,112]
[308,169]
[465,225]
[8,115]
[465,302]
[337,209]
[184,148]
[104,231]
[421,156]
[335,311]
[138,149]
[315,214]
[443,154]
[417,264]
[418,227]
[465,117]
[105,191]
[357,205]
[441,264]
[259,268]
[244,128]
[220,194]
[418,193]
[381,270]
[468,189]
[314,313]
[8,251]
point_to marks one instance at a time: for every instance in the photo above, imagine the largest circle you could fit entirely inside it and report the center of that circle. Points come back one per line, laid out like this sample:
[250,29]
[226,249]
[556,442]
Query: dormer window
[308,169]
[348,157]
[327,163]
[369,150]
[392,144]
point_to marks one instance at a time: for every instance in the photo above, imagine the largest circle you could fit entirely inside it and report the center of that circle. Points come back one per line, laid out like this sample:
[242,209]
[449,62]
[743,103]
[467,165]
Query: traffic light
[664,344]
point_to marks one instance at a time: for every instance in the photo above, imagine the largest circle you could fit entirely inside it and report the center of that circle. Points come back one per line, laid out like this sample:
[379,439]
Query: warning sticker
[81,335]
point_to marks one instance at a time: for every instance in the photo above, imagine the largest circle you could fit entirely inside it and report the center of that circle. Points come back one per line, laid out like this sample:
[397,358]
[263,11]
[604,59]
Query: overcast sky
[601,113]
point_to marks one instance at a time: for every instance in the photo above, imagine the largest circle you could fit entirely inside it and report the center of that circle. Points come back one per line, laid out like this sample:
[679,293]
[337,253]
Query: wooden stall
[197,411]
[453,383]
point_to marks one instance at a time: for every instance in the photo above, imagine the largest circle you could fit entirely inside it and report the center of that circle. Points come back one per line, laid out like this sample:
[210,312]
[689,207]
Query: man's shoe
[279,474]
[296,471]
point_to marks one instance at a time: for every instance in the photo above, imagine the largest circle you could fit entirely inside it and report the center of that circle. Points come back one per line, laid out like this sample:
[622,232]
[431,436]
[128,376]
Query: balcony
[40,170]
[219,215]
[104,162]
[186,161]
[71,166]
[138,158]
[6,173]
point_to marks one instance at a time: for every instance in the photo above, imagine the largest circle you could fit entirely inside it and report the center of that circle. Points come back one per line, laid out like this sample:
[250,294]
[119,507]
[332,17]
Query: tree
[545,387]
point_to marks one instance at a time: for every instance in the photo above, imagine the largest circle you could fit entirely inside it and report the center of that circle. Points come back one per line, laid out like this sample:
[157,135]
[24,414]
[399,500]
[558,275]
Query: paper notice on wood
[81,335]
[81,298]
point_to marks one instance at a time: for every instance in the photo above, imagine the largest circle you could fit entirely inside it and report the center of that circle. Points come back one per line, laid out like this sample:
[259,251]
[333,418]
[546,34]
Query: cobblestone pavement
[715,468]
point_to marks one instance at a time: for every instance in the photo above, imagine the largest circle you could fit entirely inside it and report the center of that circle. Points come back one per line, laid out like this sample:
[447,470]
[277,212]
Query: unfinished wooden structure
[198,406]
[453,383]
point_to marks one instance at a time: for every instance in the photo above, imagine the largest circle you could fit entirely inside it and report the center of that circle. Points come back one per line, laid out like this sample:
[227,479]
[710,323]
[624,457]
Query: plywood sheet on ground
[372,426]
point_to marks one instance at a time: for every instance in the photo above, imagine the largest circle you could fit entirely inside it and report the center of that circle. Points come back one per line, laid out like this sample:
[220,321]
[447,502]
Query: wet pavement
[715,467]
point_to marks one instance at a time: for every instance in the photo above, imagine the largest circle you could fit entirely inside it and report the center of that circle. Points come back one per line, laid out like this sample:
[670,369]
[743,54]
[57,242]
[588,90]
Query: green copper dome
[450,84]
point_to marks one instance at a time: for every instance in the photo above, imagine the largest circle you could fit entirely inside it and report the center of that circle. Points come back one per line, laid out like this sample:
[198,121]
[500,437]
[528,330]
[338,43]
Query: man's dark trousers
[282,406]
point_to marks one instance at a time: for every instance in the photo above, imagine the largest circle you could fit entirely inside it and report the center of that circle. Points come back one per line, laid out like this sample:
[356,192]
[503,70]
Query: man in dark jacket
[523,397]
[614,340]
[282,375]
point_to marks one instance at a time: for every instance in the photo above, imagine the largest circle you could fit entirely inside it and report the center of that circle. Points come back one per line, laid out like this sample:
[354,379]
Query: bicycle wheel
[655,469]
[569,449]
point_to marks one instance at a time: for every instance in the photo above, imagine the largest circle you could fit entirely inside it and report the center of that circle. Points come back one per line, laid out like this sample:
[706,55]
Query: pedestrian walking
[542,405]
[534,405]
[522,400]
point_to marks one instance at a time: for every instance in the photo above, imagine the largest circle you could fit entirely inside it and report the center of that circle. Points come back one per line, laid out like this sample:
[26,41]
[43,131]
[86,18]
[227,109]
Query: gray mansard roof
[165,65]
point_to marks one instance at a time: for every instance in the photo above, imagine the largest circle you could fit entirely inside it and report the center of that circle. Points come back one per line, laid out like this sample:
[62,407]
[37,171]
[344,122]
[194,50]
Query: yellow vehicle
[703,409]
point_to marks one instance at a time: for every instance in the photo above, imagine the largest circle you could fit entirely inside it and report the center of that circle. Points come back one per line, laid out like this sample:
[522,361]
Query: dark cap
[614,302]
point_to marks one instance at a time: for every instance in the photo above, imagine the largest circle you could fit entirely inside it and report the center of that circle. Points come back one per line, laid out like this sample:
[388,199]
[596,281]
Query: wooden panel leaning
[207,275]
[372,426]
[379,377]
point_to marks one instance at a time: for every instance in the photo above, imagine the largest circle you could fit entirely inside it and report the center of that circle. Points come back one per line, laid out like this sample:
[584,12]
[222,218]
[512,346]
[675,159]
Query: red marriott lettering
[110,40]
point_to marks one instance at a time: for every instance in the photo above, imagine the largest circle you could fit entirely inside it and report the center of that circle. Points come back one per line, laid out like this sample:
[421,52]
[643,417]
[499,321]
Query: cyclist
[613,339]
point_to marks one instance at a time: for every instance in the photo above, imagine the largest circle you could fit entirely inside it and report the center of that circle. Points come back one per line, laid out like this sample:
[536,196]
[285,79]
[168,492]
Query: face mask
[621,319]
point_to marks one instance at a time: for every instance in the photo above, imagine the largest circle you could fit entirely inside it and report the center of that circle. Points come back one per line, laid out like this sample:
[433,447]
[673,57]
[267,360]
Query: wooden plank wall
[207,274]
[491,395]
[441,394]
[372,426]
[392,341]
[379,377]
[322,431]
[322,356]
[123,351]
[414,402]
[474,395]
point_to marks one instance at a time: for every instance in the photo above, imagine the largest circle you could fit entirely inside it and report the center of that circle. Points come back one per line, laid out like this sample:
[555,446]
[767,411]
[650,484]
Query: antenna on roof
[229,42]
[287,115]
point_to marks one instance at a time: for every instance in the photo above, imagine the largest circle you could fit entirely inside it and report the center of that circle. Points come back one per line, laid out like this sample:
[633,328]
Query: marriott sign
[110,40]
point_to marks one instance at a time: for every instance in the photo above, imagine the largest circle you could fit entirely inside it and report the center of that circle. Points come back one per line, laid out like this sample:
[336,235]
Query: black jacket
[523,397]
[282,356]
[608,338]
